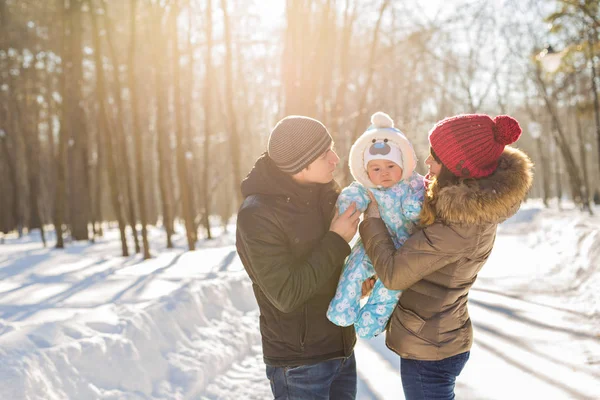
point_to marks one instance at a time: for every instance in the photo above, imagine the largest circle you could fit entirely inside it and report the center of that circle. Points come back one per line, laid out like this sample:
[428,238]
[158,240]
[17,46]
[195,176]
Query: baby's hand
[367,286]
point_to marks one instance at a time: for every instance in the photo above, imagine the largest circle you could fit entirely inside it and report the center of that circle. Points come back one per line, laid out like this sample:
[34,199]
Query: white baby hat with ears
[381,141]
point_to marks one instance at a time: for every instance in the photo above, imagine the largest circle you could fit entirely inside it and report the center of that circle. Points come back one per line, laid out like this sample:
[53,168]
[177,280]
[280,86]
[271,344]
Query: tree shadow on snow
[520,298]
[553,381]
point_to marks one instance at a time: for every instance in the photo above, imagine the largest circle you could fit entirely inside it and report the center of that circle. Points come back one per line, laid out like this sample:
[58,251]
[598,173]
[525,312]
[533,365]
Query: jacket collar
[491,199]
[267,179]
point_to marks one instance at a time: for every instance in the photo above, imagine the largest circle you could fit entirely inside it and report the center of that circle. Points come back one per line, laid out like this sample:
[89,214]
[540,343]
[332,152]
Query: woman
[475,183]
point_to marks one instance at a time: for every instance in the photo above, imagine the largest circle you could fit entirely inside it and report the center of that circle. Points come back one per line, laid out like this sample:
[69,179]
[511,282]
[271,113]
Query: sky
[85,323]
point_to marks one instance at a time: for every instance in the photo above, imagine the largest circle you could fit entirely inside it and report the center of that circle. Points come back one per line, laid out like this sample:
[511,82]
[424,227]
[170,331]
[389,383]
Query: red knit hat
[470,145]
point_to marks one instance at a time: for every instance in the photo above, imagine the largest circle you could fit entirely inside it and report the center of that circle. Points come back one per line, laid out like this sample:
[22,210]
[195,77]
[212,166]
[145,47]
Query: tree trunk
[561,141]
[542,164]
[109,139]
[207,120]
[314,63]
[189,129]
[557,180]
[592,42]
[234,139]
[545,170]
[3,214]
[289,64]
[3,14]
[163,146]
[100,166]
[5,224]
[121,131]
[29,125]
[339,101]
[583,157]
[80,198]
[60,161]
[139,151]
[361,120]
[181,153]
[12,177]
[50,155]
[11,163]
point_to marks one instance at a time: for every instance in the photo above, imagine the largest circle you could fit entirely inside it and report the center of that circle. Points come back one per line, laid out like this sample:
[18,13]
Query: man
[293,245]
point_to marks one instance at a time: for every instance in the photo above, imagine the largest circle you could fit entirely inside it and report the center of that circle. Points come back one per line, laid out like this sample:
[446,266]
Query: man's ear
[299,176]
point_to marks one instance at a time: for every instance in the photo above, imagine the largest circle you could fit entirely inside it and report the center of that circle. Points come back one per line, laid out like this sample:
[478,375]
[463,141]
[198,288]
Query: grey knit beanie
[297,141]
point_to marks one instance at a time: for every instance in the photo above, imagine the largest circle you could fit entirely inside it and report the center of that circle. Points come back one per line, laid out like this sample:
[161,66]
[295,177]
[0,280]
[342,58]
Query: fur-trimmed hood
[382,128]
[491,199]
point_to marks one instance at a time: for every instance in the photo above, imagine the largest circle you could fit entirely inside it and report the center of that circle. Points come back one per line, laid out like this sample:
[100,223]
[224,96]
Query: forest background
[151,112]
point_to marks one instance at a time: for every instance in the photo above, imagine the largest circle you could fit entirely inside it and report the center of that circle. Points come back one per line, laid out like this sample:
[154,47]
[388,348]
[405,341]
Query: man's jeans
[431,380]
[332,379]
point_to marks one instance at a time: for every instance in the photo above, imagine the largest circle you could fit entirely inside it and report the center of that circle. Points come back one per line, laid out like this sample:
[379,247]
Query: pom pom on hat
[381,120]
[507,129]
[382,150]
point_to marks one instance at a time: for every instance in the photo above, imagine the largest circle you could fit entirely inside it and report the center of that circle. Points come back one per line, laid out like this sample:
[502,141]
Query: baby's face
[384,173]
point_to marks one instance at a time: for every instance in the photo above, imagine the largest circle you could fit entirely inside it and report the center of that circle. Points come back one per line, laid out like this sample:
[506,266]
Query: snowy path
[523,348]
[536,335]
[86,324]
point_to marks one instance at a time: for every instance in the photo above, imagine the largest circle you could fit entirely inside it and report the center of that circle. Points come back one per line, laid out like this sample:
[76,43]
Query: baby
[382,161]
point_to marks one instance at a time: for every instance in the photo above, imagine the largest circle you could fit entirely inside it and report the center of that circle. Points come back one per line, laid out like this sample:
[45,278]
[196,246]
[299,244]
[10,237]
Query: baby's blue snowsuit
[399,206]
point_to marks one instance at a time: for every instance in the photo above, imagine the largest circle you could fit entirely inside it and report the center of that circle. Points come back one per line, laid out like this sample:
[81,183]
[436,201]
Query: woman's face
[434,166]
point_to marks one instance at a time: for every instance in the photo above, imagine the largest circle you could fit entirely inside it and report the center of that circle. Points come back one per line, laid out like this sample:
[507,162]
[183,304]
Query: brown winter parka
[437,266]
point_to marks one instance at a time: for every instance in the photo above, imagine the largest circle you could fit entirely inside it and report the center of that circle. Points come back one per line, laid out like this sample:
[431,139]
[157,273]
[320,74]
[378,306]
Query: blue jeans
[331,379]
[431,380]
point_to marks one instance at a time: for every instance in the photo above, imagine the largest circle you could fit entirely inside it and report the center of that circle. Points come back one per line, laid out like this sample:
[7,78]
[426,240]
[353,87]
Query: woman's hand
[372,210]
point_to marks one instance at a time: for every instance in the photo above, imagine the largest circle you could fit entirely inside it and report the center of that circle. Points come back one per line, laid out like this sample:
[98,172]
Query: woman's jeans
[431,380]
[331,379]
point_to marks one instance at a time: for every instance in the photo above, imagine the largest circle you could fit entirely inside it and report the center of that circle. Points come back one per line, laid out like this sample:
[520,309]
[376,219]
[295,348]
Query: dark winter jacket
[294,262]
[437,266]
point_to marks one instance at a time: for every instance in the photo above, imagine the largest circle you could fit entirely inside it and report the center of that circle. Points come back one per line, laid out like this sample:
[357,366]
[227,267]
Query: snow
[84,323]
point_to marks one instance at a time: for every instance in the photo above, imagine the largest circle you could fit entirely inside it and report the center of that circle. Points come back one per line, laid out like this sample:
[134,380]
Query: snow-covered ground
[84,323]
